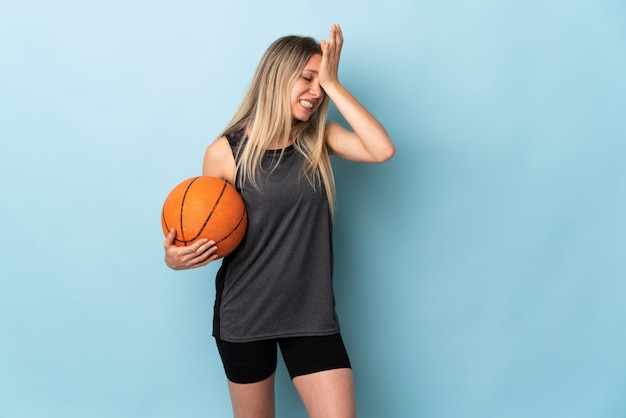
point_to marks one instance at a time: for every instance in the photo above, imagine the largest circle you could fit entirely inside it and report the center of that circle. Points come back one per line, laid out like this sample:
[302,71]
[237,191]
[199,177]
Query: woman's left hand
[331,51]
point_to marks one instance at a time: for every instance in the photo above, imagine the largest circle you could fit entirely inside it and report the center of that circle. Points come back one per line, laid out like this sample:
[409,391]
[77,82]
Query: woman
[275,289]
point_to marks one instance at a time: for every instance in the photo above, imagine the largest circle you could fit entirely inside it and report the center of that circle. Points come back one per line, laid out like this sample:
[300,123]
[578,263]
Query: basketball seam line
[210,213]
[182,206]
[243,215]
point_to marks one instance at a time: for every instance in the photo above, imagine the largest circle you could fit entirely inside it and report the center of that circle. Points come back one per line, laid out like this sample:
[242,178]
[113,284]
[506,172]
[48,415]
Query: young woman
[275,289]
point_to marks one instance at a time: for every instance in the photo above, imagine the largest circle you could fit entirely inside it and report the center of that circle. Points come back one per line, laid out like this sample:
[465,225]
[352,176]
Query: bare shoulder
[219,160]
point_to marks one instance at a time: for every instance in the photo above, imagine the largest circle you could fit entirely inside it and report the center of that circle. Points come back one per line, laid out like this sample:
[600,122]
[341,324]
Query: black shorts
[255,361]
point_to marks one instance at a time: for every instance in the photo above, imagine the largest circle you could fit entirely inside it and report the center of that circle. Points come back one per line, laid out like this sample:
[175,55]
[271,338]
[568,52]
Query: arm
[369,141]
[219,161]
[202,252]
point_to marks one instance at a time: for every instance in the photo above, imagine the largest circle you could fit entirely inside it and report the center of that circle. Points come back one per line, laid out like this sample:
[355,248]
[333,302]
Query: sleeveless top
[278,282]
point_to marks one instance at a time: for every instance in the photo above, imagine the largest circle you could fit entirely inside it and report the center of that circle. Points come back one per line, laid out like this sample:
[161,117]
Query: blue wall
[480,273]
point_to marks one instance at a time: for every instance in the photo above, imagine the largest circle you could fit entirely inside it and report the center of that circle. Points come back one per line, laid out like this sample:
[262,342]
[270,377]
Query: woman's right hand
[198,254]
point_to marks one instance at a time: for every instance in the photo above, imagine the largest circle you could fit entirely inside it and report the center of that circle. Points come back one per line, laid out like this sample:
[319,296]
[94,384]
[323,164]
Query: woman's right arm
[218,162]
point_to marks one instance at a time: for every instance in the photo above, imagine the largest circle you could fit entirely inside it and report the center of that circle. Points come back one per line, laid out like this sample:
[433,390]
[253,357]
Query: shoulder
[219,160]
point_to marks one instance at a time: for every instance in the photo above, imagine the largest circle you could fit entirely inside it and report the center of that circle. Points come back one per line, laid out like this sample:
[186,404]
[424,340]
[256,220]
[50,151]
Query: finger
[332,36]
[323,46]
[190,254]
[337,36]
[185,254]
[339,33]
[334,43]
[201,245]
[207,261]
[169,239]
[204,255]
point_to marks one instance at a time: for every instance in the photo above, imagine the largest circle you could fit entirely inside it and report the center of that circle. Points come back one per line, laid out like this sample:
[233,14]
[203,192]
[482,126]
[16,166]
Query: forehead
[313,64]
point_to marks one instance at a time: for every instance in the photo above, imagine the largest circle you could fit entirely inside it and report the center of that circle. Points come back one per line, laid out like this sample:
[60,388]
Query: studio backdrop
[480,273]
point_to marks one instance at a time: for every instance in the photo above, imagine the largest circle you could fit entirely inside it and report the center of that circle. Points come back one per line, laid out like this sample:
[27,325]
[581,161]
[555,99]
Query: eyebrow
[309,70]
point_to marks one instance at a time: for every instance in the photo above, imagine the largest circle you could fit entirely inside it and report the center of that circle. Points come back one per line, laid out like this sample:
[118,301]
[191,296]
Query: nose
[316,89]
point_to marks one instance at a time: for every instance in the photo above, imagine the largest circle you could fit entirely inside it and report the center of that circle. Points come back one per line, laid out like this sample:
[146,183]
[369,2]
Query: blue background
[480,273]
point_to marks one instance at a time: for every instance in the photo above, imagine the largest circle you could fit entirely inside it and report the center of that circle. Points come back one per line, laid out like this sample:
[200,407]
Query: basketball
[205,207]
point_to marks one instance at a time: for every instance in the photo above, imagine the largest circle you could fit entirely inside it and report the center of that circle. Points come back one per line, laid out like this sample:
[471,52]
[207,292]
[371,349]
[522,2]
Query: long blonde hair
[265,115]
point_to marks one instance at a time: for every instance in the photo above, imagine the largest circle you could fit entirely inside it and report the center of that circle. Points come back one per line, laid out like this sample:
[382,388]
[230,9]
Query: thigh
[306,355]
[327,394]
[253,400]
[248,362]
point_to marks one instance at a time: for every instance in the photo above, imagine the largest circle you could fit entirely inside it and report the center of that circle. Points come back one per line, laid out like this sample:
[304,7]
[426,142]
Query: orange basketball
[205,207]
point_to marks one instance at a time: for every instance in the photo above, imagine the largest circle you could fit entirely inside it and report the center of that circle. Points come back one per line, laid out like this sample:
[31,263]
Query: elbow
[386,153]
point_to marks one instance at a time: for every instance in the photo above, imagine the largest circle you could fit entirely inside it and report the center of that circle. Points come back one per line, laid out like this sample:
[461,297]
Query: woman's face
[306,93]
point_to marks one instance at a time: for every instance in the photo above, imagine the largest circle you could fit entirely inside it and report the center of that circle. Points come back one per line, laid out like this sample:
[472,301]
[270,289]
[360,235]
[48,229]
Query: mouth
[307,104]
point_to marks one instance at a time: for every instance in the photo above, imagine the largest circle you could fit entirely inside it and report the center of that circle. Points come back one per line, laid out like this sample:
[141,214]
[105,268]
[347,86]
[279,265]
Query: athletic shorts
[256,361]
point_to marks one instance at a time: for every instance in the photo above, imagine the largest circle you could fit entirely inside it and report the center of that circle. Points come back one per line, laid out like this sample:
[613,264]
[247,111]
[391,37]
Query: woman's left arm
[369,141]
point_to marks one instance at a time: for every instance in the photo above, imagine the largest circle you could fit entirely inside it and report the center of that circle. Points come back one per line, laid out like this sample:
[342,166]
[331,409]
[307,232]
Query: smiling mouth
[306,104]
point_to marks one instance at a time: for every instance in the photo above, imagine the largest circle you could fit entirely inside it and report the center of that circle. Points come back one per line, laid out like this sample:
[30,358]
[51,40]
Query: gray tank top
[278,282]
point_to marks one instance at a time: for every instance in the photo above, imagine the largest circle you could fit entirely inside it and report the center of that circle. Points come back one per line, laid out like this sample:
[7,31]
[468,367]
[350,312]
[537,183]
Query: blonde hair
[265,115]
